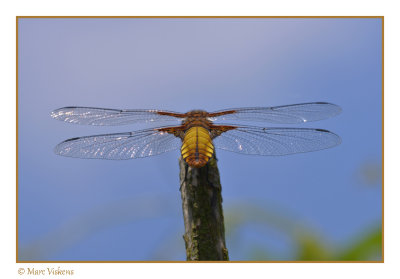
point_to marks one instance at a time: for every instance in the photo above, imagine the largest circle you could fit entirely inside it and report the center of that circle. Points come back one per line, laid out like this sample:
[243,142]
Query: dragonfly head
[197,112]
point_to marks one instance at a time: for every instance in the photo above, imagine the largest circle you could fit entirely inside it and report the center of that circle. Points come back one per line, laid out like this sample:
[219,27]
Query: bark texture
[202,212]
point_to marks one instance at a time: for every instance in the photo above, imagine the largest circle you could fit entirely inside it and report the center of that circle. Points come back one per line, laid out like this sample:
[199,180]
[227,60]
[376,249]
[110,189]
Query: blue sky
[126,210]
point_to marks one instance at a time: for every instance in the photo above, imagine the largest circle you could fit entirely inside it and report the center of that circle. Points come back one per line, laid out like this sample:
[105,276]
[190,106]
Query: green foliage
[306,243]
[311,248]
[368,247]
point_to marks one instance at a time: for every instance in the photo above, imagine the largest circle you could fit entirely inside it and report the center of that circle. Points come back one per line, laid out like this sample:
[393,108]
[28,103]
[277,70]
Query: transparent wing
[102,116]
[119,146]
[289,114]
[275,141]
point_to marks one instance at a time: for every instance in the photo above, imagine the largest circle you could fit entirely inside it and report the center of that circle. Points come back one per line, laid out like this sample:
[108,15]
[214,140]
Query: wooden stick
[202,212]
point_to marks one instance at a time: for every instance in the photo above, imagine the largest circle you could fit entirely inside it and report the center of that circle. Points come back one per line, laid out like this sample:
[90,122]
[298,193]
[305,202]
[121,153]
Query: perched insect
[197,135]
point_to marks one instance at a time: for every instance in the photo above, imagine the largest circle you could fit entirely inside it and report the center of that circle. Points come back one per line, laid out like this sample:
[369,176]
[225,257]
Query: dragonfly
[197,133]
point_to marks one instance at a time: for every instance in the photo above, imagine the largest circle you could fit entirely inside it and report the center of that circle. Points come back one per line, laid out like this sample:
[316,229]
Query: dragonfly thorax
[196,118]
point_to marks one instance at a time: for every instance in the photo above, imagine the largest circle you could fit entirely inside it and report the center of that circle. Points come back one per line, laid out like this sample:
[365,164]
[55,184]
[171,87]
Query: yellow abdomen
[197,147]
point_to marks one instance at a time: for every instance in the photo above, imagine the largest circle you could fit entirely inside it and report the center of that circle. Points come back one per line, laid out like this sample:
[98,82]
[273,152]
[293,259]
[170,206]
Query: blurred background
[324,205]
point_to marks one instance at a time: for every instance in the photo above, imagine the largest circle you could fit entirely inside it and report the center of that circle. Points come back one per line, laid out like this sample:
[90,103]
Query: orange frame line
[241,17]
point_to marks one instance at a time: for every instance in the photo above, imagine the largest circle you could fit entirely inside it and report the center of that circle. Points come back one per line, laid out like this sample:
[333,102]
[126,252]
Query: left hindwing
[119,146]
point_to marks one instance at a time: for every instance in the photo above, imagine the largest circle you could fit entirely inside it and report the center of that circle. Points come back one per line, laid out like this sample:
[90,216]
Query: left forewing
[112,117]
